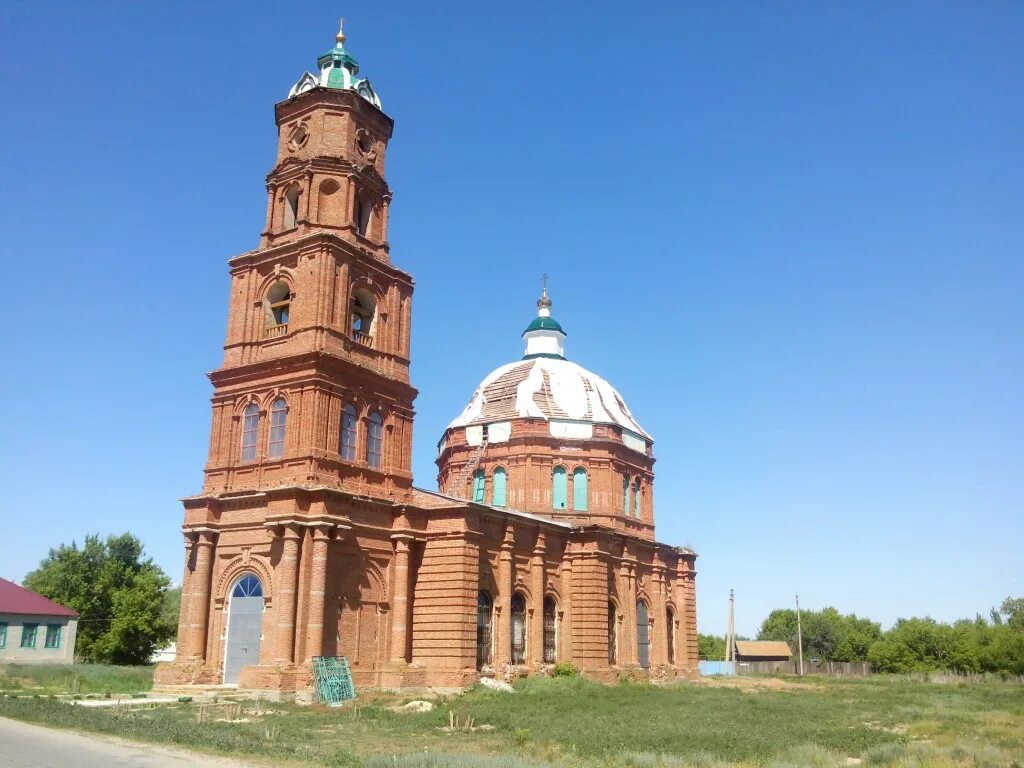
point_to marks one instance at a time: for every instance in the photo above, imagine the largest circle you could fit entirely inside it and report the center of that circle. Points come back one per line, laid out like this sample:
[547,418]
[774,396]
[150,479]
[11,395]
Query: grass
[46,679]
[574,723]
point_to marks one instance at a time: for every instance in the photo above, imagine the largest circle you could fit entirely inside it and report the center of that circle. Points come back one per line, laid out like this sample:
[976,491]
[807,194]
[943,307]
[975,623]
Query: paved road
[30,746]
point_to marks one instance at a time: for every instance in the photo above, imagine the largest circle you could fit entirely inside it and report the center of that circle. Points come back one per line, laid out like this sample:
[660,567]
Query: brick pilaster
[400,599]
[317,590]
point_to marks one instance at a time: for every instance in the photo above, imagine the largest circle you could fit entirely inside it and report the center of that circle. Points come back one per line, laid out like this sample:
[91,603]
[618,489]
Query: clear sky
[789,233]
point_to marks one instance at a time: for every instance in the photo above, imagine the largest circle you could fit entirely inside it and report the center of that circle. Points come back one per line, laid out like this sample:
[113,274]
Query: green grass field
[573,723]
[74,679]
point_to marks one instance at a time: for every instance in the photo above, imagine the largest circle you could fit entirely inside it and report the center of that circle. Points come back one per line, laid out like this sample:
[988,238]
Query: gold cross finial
[340,37]
[544,302]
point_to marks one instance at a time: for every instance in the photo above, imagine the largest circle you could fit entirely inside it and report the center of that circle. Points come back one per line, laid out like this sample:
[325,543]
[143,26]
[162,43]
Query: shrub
[884,755]
[564,669]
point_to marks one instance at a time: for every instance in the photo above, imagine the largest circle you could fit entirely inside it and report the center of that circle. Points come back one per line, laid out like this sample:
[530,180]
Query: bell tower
[314,387]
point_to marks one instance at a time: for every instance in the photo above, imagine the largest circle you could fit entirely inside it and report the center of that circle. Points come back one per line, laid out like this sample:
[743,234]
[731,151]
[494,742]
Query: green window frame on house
[559,488]
[53,632]
[3,634]
[28,635]
[479,483]
[499,485]
[579,489]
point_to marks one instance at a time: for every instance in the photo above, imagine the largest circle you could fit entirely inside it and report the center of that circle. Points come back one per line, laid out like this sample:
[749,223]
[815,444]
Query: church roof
[544,324]
[756,648]
[547,388]
[339,70]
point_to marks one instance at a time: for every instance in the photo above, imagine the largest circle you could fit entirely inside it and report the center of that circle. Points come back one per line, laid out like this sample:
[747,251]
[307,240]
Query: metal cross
[544,282]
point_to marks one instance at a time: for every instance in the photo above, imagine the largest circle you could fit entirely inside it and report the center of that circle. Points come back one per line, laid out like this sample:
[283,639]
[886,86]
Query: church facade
[309,538]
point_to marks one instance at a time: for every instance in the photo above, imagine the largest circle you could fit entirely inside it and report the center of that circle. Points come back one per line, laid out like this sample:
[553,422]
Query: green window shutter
[52,636]
[559,488]
[478,485]
[579,489]
[28,635]
[3,634]
[499,481]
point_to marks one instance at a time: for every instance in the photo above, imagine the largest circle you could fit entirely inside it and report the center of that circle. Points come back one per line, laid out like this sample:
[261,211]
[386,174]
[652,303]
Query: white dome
[547,388]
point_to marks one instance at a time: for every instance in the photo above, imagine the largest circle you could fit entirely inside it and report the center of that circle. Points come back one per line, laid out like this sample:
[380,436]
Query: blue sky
[789,233]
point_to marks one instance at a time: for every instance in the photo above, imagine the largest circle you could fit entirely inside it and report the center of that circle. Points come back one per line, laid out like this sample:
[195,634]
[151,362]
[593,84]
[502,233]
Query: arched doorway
[643,635]
[245,626]
[484,610]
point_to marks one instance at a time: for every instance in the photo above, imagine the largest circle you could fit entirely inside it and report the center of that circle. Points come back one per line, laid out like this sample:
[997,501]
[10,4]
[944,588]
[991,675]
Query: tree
[172,608]
[827,634]
[1013,609]
[119,597]
[711,647]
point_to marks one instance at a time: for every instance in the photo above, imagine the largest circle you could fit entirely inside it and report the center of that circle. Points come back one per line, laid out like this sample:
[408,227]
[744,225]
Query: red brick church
[309,537]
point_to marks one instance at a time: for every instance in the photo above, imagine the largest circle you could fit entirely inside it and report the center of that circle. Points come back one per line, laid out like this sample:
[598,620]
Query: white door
[245,626]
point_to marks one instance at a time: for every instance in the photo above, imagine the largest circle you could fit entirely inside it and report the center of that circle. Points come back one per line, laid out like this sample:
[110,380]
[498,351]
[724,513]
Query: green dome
[544,324]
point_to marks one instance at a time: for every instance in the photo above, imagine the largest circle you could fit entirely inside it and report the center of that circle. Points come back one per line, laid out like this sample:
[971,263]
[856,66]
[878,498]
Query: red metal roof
[17,599]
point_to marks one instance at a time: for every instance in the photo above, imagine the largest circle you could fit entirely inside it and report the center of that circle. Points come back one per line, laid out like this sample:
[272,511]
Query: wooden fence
[834,668]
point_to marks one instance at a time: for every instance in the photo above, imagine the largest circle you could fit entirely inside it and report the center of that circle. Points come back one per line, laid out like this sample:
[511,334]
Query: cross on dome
[544,336]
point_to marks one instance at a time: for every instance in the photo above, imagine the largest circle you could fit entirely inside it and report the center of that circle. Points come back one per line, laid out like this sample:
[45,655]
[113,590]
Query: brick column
[627,635]
[400,599]
[503,654]
[284,599]
[199,602]
[659,642]
[185,609]
[535,637]
[317,588]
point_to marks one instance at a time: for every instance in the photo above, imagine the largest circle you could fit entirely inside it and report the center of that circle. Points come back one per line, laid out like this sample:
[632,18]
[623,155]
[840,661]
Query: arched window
[276,310]
[250,431]
[549,630]
[626,505]
[248,586]
[484,609]
[291,207]
[375,441]
[637,497]
[579,489]
[278,419]
[364,309]
[670,634]
[518,628]
[499,487]
[349,420]
[643,635]
[479,481]
[559,488]
[613,649]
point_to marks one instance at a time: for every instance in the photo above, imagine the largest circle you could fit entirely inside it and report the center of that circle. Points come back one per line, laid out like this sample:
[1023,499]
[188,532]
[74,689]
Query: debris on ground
[496,685]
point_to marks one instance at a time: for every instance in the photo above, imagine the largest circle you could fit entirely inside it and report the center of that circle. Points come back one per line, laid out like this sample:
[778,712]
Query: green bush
[564,669]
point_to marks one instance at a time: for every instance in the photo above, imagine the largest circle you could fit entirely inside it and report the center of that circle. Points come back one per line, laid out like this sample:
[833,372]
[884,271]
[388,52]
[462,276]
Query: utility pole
[799,636]
[730,635]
